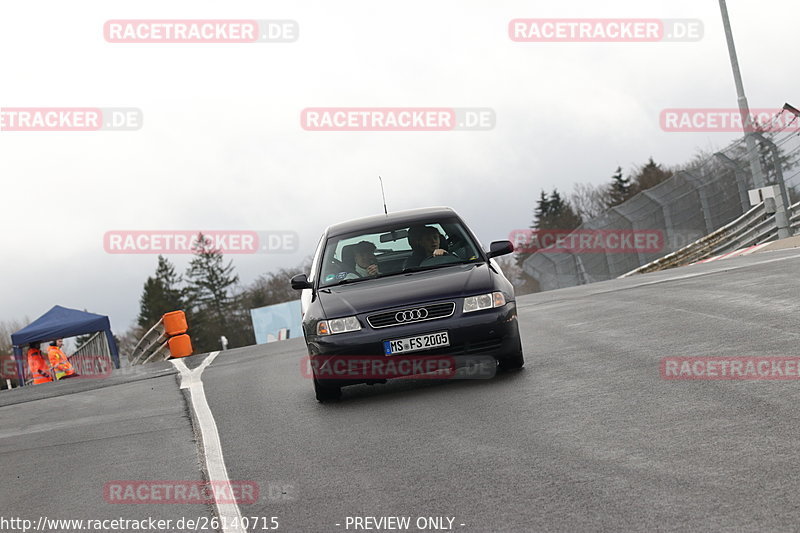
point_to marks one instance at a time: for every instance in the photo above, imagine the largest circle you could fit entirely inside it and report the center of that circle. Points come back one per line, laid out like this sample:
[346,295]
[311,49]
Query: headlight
[338,325]
[484,301]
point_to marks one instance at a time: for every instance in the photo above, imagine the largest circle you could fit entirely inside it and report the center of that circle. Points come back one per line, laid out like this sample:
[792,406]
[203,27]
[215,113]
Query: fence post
[698,184]
[20,365]
[741,179]
[782,206]
[668,227]
[583,277]
[639,257]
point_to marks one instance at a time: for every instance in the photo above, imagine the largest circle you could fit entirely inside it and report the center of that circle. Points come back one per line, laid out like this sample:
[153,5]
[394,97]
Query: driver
[425,242]
[366,263]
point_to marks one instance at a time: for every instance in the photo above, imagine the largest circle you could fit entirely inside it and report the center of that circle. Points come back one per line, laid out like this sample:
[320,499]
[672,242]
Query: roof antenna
[384,197]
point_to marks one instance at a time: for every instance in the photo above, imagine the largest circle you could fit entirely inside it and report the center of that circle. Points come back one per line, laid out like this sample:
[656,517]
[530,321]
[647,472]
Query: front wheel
[326,393]
[514,361]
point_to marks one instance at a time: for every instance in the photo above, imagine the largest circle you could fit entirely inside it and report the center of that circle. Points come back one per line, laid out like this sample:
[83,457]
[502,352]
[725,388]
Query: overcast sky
[222,147]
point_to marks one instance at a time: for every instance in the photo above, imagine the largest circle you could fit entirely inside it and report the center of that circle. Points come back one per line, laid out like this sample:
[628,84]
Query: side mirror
[300,282]
[498,248]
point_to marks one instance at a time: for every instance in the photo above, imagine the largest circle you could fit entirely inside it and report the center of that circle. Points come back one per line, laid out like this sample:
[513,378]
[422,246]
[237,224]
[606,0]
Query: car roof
[409,217]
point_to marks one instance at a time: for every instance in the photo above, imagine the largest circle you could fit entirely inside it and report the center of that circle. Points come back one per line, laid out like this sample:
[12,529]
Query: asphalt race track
[588,437]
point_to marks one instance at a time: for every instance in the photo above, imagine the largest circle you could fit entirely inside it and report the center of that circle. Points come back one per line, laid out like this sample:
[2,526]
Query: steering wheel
[457,246]
[455,241]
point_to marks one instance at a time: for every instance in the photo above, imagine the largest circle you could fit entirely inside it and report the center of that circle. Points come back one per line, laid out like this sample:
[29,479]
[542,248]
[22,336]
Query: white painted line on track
[229,513]
[755,248]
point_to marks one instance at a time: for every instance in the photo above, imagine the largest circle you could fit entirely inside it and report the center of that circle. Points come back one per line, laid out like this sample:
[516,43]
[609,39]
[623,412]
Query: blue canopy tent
[58,323]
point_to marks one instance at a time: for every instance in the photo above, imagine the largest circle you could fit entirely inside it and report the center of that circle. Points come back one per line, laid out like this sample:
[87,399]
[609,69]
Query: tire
[326,393]
[514,361]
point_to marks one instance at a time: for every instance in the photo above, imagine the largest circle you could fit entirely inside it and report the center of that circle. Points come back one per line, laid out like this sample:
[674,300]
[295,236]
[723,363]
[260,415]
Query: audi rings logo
[411,315]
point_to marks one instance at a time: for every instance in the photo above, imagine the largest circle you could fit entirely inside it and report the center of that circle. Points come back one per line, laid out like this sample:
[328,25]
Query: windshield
[389,250]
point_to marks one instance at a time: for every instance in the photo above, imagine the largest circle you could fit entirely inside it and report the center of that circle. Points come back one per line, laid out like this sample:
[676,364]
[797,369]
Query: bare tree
[127,341]
[6,329]
[274,287]
[588,200]
[7,364]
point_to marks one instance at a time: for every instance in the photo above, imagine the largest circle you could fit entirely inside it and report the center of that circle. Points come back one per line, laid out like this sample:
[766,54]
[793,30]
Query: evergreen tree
[210,298]
[542,210]
[552,212]
[161,294]
[648,176]
[559,214]
[165,272]
[620,189]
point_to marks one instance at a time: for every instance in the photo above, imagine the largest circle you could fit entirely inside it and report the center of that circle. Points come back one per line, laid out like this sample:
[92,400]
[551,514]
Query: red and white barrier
[736,253]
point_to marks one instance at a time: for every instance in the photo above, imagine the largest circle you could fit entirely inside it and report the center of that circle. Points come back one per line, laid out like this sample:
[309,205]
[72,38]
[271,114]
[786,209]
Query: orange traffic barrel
[180,346]
[175,323]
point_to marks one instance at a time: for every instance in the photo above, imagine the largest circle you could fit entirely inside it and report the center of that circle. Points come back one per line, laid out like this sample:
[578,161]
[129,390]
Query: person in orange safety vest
[58,359]
[40,369]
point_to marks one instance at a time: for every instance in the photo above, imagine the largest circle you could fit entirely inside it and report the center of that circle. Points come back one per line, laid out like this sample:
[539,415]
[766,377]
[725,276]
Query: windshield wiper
[433,267]
[351,280]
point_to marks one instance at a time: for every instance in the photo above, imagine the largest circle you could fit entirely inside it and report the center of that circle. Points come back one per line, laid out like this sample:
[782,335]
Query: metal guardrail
[153,346]
[756,226]
[93,356]
[166,339]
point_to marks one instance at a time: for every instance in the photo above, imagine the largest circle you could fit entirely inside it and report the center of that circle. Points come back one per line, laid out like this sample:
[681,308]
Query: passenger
[424,242]
[37,365]
[58,360]
[365,262]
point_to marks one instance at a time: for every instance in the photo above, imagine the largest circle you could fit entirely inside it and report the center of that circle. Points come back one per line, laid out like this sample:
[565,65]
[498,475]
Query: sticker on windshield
[341,275]
[330,277]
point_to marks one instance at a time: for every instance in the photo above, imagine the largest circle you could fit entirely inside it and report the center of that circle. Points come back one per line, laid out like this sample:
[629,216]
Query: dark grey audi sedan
[404,291]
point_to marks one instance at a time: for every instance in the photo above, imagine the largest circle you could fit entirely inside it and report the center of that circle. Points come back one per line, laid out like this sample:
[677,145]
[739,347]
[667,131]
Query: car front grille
[411,315]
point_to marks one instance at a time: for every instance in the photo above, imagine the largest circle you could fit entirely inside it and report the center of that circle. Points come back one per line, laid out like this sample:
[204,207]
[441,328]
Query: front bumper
[490,332]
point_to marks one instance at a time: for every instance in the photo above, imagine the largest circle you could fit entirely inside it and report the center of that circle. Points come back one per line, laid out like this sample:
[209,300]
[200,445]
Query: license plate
[416,344]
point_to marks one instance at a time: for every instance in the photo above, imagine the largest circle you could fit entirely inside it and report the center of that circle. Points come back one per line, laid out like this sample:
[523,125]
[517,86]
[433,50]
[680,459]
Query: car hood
[406,289]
